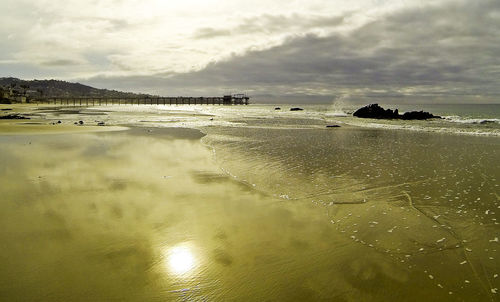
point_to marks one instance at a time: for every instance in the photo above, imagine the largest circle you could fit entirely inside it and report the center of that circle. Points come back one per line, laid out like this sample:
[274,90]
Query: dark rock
[75,123]
[277,108]
[296,109]
[58,122]
[332,126]
[484,122]
[417,115]
[80,122]
[13,117]
[100,124]
[375,111]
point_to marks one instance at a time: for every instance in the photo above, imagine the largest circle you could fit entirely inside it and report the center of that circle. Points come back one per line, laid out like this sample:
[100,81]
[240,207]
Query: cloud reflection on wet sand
[138,215]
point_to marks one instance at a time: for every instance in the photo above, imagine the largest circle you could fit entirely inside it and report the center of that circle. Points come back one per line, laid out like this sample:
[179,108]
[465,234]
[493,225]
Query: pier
[233,99]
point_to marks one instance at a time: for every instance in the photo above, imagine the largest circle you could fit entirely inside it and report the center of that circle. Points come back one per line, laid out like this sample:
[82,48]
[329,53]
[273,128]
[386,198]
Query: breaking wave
[462,120]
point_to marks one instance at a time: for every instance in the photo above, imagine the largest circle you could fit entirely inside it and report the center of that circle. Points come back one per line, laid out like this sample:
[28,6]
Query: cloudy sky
[316,50]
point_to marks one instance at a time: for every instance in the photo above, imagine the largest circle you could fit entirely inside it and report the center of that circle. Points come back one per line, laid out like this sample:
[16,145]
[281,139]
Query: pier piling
[233,99]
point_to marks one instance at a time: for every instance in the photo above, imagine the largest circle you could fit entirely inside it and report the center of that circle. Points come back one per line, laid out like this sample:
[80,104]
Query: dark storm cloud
[272,23]
[208,32]
[446,50]
[60,62]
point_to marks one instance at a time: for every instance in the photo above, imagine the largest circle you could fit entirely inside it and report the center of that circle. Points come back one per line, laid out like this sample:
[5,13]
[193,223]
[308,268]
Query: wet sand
[158,214]
[36,124]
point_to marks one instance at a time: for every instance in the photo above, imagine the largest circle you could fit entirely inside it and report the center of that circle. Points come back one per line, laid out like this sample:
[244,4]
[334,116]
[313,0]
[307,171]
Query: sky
[274,50]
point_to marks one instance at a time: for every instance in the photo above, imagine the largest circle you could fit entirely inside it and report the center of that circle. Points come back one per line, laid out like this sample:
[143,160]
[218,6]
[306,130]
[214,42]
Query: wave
[462,120]
[422,128]
[337,114]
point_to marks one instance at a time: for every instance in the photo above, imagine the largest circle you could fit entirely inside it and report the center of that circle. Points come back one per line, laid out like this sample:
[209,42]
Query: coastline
[37,125]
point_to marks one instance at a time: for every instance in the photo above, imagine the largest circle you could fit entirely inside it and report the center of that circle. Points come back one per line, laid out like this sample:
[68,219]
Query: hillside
[56,88]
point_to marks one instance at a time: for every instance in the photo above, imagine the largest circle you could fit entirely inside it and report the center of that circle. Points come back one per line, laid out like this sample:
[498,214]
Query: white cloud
[395,47]
[146,37]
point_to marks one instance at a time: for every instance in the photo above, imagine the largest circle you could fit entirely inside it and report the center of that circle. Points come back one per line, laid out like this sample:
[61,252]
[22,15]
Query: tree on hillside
[24,87]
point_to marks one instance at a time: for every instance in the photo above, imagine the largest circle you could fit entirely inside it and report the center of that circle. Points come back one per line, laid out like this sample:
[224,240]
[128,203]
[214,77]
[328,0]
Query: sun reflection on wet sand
[180,260]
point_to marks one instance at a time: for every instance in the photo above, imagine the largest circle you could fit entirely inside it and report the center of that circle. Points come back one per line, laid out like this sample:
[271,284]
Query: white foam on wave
[462,120]
[337,114]
[449,130]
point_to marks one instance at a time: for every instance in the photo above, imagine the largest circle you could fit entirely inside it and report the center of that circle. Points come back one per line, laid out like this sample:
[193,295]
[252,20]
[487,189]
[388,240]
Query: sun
[180,260]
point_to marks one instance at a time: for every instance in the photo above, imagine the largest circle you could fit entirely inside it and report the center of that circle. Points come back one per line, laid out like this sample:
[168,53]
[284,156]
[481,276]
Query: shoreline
[176,115]
[39,126]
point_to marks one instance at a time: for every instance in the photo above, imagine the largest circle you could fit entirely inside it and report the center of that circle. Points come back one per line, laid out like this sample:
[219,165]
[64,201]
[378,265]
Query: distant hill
[56,88]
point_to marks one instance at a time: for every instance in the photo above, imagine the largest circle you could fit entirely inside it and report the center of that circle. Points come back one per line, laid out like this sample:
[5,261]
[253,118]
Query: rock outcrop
[377,112]
[13,117]
[418,115]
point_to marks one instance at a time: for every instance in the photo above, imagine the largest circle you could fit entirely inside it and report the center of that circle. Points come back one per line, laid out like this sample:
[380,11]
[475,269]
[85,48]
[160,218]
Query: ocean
[251,203]
[468,119]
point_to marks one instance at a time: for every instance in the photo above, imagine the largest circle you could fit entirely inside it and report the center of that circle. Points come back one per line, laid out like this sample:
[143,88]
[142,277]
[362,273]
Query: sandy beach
[176,205]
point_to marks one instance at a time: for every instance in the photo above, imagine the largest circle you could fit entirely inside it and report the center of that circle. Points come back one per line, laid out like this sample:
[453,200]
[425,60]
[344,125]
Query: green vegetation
[13,90]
